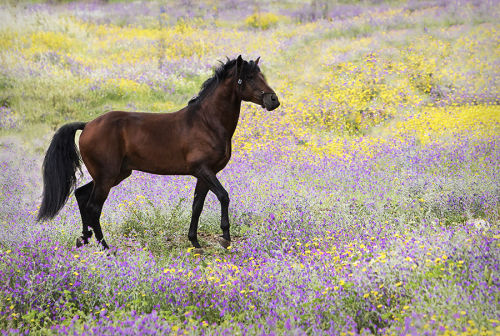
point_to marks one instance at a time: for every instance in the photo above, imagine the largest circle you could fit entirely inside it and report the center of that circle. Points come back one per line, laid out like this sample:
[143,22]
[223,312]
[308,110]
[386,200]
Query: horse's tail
[59,170]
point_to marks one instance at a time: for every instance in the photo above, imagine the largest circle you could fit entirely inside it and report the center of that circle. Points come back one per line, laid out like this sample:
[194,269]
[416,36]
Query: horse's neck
[222,109]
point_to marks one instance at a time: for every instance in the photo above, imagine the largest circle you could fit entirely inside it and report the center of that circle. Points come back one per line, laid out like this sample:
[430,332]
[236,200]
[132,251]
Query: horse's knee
[224,198]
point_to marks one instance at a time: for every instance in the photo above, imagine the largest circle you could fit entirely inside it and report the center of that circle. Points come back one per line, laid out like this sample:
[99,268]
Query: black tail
[59,167]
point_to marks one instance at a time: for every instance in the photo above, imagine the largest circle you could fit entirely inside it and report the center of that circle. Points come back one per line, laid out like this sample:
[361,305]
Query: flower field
[367,203]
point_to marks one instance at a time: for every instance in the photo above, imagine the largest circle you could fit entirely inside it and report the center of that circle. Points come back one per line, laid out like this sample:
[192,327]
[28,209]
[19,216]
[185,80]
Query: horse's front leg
[209,178]
[200,193]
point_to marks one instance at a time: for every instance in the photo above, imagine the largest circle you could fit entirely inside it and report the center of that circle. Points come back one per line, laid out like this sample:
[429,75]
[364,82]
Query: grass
[366,204]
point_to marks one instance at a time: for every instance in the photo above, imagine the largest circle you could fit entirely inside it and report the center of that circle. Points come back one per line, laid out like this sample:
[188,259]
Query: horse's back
[137,141]
[120,125]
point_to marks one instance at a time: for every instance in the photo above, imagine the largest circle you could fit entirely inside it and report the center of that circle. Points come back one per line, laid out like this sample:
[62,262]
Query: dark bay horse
[195,140]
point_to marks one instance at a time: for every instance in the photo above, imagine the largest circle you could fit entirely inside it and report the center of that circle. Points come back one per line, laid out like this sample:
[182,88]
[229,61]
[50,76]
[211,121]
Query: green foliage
[155,227]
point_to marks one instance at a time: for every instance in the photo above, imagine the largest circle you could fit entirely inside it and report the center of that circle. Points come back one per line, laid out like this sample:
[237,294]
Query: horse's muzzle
[270,101]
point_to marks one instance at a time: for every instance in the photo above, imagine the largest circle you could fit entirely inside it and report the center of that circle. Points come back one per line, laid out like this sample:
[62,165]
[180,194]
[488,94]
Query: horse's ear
[257,60]
[239,66]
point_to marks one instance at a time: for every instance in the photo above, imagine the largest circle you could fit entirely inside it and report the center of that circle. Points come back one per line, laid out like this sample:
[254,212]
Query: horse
[195,140]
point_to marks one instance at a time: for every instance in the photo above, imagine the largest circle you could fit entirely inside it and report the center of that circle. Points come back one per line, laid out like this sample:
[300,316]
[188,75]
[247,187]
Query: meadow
[367,203]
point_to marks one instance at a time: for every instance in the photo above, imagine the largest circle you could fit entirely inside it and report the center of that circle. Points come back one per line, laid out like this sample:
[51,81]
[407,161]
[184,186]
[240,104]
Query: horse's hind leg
[82,195]
[94,208]
[98,197]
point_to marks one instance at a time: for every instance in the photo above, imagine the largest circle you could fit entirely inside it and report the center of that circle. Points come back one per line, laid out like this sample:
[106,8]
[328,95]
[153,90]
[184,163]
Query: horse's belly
[164,165]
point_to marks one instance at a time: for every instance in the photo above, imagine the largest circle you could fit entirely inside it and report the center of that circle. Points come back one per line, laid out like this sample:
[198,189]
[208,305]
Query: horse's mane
[221,73]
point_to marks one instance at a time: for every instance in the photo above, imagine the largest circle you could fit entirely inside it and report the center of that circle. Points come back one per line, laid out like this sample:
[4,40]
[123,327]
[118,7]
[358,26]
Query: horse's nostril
[273,98]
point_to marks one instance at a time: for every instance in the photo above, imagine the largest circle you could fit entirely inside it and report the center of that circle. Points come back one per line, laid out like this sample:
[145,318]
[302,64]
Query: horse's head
[252,84]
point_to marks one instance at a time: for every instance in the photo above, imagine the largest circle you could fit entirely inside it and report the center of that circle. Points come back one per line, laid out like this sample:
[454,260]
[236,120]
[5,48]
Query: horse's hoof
[196,245]
[79,242]
[224,242]
[104,246]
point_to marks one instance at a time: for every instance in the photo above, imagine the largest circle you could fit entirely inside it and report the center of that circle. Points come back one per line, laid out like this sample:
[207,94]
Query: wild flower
[262,20]
[355,207]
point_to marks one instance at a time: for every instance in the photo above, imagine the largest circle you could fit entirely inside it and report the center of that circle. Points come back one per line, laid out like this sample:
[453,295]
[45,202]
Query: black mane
[221,73]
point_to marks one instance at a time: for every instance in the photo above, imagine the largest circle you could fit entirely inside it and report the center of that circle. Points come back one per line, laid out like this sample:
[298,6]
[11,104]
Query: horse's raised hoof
[224,242]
